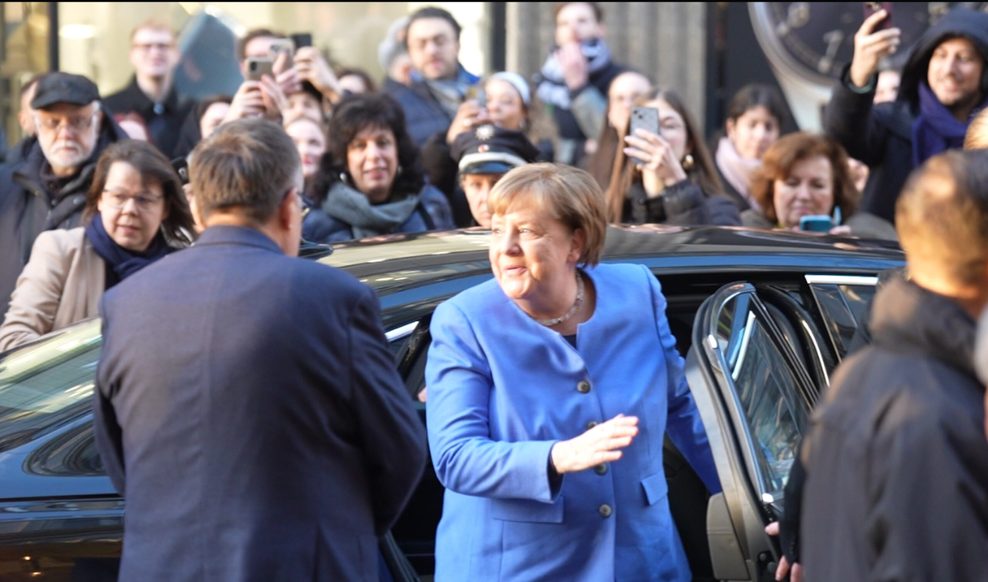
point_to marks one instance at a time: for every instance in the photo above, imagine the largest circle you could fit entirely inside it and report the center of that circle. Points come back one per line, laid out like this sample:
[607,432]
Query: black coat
[164,121]
[249,410]
[896,459]
[682,204]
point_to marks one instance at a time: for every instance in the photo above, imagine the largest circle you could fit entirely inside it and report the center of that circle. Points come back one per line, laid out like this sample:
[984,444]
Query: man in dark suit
[247,406]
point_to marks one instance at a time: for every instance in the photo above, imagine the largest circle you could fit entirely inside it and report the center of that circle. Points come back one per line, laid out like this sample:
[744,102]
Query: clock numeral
[797,17]
[834,38]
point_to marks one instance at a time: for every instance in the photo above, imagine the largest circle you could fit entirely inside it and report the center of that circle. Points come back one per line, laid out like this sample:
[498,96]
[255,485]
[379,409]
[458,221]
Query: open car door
[754,397]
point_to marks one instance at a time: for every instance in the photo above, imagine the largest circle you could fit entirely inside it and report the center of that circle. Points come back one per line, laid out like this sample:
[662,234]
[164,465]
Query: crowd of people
[154,211]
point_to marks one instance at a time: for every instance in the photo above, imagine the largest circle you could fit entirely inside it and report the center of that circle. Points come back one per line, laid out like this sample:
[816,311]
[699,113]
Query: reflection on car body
[762,317]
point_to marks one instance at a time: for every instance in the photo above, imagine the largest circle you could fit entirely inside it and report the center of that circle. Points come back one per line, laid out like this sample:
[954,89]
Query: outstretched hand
[600,444]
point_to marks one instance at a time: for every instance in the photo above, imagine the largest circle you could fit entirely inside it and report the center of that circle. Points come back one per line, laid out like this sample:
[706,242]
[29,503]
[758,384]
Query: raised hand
[659,166]
[870,47]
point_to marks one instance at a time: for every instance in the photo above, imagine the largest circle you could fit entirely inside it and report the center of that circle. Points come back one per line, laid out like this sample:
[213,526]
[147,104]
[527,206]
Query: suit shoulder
[321,275]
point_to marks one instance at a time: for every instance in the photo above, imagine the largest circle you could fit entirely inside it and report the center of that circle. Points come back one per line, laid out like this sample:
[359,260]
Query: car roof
[394,262]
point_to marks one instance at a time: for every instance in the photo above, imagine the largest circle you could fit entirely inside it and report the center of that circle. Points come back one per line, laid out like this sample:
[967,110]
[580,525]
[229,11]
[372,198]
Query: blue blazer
[249,411]
[503,388]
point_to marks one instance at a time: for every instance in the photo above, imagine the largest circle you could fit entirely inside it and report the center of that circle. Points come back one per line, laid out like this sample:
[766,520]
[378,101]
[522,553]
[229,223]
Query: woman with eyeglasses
[135,214]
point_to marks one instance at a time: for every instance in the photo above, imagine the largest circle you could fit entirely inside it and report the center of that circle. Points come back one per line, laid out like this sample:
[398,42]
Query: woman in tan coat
[135,214]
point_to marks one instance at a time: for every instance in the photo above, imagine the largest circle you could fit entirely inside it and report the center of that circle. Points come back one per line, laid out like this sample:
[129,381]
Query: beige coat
[61,284]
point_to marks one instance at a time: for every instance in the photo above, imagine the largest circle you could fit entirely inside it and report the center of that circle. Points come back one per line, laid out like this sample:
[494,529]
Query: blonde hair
[569,194]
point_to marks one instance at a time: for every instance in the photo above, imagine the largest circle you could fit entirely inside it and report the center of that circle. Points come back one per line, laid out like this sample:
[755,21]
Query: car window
[843,302]
[47,384]
[767,392]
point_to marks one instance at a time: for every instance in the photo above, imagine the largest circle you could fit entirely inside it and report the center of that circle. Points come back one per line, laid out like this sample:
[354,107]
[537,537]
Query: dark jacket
[27,207]
[682,204]
[424,116]
[274,446]
[881,135]
[896,459]
[164,121]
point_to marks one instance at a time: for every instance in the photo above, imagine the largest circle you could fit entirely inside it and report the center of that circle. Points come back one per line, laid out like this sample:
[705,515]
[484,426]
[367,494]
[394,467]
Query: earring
[687,162]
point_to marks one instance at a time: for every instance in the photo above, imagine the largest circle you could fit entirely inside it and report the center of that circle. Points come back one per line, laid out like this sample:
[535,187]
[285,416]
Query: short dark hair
[942,215]
[248,164]
[153,166]
[363,75]
[598,12]
[756,95]
[251,35]
[783,155]
[355,114]
[204,105]
[432,12]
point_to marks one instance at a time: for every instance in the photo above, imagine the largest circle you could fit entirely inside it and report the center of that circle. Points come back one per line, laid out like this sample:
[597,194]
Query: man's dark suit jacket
[248,409]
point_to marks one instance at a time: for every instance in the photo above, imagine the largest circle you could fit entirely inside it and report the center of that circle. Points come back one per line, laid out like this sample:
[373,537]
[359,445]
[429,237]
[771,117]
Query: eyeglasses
[148,46]
[53,124]
[118,200]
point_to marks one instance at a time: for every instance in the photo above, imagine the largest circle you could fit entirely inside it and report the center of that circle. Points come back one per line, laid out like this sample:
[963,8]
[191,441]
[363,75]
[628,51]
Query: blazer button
[600,469]
[592,424]
[605,510]
[583,387]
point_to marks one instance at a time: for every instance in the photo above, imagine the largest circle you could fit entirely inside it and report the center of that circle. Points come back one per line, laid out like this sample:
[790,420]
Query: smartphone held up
[873,7]
[646,118]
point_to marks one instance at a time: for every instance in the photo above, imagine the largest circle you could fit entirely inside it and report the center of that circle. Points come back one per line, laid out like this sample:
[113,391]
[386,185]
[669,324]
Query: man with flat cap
[47,188]
[484,155]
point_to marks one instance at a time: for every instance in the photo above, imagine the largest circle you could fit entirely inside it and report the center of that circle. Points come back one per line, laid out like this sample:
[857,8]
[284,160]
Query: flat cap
[58,87]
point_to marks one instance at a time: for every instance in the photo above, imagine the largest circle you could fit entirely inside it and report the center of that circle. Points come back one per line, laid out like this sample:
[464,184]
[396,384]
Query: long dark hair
[355,114]
[153,167]
[702,171]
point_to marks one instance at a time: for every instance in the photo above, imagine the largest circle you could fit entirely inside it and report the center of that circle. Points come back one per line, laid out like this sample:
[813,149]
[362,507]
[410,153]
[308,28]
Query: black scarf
[121,261]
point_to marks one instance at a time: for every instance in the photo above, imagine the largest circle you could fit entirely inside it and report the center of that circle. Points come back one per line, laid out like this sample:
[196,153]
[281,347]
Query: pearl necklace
[572,310]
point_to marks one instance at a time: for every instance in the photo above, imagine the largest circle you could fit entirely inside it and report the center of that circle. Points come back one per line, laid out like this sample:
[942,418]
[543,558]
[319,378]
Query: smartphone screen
[257,66]
[873,7]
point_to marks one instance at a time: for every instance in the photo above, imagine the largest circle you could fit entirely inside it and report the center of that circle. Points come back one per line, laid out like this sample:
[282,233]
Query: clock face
[814,40]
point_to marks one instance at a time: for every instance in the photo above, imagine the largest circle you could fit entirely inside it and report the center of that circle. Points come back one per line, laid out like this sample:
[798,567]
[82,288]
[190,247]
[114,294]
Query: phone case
[873,7]
[646,118]
[257,67]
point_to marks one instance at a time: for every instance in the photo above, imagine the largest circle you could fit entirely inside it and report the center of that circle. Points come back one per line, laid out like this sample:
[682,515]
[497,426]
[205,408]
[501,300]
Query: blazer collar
[237,235]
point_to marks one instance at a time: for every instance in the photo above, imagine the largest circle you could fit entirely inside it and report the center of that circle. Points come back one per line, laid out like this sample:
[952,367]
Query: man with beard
[575,78]
[47,188]
[439,81]
[944,83]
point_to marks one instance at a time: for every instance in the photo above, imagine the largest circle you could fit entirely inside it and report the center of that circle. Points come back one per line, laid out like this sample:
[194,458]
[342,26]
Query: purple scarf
[936,129]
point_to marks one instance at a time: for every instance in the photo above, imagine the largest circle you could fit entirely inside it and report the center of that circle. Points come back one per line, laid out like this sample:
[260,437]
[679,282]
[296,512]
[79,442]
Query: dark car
[762,317]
